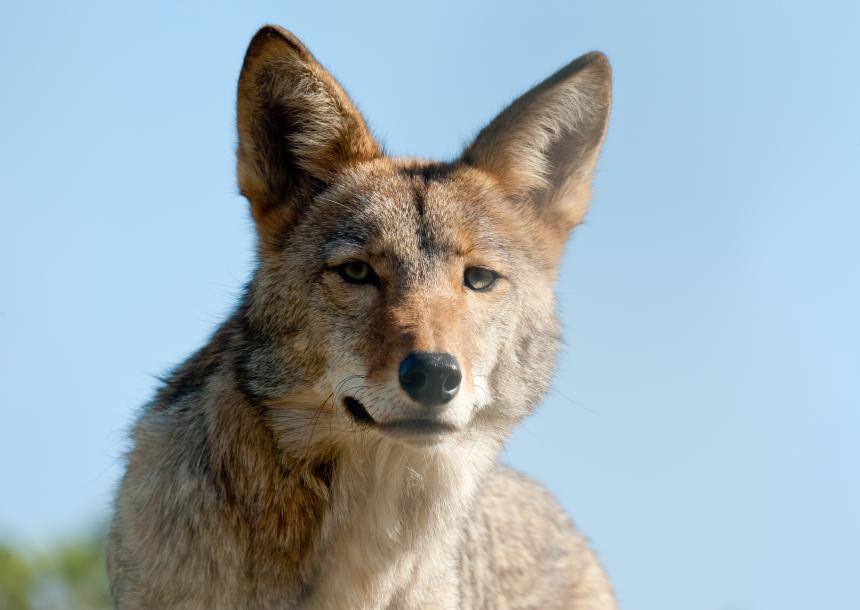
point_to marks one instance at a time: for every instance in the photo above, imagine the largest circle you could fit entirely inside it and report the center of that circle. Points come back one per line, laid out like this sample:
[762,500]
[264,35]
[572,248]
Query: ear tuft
[296,125]
[544,145]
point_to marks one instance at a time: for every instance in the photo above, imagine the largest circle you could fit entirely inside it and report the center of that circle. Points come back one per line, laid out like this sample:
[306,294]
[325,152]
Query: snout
[430,378]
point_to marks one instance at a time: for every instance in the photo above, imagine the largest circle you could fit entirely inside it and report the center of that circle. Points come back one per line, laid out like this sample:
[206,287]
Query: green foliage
[67,576]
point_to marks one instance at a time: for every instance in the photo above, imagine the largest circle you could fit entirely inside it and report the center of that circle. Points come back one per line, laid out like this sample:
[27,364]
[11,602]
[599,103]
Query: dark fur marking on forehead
[431,172]
[425,243]
[420,200]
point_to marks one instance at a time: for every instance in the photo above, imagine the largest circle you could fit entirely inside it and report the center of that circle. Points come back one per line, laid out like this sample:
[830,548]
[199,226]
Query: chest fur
[394,522]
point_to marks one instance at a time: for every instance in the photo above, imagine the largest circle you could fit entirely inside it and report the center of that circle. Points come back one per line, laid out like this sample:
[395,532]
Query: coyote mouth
[358,412]
[418,426]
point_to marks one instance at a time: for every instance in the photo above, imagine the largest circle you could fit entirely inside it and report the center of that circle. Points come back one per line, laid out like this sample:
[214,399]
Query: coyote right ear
[296,127]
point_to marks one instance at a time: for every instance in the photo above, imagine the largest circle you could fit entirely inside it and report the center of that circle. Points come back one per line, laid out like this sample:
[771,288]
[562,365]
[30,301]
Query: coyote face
[400,297]
[403,288]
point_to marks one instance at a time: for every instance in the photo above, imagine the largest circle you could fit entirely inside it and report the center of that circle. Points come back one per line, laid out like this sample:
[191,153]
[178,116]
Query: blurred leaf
[67,576]
[16,579]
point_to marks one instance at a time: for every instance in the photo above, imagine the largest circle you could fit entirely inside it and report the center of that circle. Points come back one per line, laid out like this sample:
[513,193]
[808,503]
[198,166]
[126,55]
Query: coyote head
[397,297]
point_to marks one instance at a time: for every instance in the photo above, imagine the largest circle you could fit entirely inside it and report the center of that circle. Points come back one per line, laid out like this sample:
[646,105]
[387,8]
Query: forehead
[405,208]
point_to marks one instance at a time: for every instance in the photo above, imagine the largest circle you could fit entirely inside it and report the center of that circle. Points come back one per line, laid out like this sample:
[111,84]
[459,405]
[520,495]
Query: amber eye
[356,272]
[479,278]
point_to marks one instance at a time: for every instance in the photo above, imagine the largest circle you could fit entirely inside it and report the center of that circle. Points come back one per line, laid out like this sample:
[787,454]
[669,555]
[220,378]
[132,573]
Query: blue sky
[703,427]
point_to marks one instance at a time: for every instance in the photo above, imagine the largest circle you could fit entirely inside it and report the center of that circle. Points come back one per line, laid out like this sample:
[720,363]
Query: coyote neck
[392,525]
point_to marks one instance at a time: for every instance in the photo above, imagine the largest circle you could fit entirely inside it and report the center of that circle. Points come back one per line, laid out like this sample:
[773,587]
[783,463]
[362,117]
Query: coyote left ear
[544,145]
[296,126]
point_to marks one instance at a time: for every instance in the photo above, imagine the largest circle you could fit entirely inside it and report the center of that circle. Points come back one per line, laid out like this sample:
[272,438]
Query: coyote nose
[430,378]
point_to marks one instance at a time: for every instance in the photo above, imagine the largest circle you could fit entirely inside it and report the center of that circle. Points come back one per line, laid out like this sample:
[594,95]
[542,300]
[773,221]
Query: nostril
[452,382]
[415,380]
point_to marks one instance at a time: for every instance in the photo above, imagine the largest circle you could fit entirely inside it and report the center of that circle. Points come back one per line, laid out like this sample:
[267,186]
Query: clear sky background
[703,427]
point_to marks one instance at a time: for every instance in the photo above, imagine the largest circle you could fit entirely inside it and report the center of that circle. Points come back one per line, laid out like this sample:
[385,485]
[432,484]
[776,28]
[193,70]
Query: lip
[420,428]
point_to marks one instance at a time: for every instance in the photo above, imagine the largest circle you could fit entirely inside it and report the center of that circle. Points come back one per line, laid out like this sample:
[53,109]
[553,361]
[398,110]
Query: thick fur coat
[287,464]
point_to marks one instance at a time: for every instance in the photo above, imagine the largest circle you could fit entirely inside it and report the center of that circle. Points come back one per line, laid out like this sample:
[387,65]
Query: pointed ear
[544,145]
[296,125]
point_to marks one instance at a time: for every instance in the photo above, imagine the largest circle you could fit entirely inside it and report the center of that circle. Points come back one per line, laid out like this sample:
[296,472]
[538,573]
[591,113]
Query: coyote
[334,445]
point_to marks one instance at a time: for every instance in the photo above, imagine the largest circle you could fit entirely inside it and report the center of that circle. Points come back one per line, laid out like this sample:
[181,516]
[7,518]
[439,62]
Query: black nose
[430,378]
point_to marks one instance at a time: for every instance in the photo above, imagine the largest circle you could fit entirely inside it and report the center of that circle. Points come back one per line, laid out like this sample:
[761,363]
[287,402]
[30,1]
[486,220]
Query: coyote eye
[479,278]
[356,272]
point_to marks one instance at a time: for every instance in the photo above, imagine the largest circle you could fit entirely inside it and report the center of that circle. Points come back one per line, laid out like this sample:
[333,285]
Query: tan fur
[251,484]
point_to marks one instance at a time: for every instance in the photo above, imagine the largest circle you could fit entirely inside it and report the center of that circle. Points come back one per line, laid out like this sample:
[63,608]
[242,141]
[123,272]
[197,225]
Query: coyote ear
[296,126]
[544,145]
